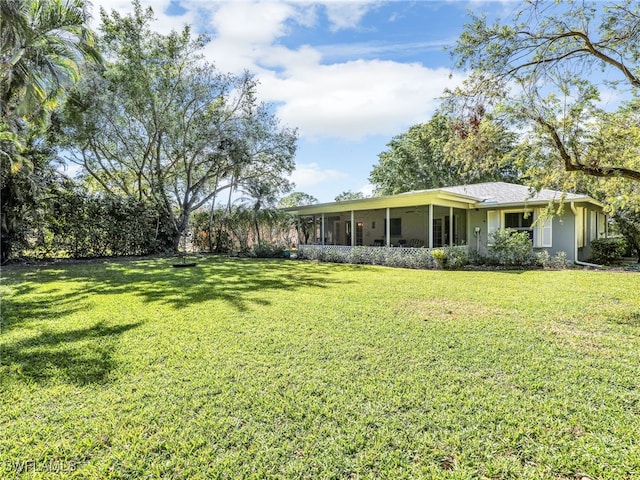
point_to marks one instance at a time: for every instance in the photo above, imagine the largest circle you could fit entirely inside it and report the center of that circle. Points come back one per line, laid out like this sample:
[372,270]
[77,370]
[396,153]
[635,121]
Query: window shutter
[493,224]
[542,232]
[580,226]
[593,225]
[602,228]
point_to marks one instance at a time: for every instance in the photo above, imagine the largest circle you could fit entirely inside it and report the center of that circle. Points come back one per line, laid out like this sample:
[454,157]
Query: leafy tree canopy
[297,199]
[444,152]
[348,195]
[162,124]
[545,71]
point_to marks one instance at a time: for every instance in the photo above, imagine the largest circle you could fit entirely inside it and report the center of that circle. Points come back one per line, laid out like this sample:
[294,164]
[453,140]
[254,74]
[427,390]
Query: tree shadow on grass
[238,282]
[80,357]
[37,293]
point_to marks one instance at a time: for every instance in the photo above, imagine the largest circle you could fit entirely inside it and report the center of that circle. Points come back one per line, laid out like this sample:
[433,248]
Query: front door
[359,233]
[437,232]
[347,232]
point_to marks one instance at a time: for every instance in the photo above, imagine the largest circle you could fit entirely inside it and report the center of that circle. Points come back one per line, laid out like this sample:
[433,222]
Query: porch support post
[431,225]
[314,240]
[387,239]
[353,228]
[322,230]
[451,226]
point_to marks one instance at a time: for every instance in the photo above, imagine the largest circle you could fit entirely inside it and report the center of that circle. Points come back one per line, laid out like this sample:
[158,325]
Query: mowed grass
[288,369]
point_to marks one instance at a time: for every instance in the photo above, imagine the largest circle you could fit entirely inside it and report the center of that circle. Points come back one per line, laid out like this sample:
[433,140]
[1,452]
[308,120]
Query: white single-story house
[460,215]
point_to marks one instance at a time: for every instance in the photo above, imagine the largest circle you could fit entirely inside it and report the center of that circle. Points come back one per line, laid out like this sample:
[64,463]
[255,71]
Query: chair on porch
[416,243]
[378,243]
[402,242]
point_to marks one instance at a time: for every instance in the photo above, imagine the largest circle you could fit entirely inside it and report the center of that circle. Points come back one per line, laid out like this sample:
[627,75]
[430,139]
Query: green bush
[80,224]
[267,250]
[606,251]
[511,248]
[439,255]
[557,262]
[457,257]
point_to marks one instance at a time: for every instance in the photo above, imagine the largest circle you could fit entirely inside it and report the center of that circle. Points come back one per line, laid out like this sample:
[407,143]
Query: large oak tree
[162,124]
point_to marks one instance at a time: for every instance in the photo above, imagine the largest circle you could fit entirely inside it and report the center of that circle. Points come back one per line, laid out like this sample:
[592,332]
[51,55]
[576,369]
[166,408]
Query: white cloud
[350,99]
[344,15]
[367,190]
[347,99]
[163,24]
[249,23]
[355,99]
[310,174]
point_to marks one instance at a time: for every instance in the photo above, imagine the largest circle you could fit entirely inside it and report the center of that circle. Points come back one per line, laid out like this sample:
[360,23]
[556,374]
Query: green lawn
[289,369]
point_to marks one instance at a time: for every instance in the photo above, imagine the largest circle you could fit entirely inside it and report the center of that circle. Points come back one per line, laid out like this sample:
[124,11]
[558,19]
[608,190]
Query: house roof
[479,195]
[500,193]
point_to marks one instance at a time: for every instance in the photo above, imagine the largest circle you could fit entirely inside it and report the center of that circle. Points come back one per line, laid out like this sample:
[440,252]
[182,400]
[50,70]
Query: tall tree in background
[42,46]
[439,153]
[304,225]
[161,124]
[261,196]
[297,199]
[348,195]
[545,72]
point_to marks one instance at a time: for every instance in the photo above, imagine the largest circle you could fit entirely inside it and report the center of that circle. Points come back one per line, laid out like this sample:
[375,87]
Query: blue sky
[349,75]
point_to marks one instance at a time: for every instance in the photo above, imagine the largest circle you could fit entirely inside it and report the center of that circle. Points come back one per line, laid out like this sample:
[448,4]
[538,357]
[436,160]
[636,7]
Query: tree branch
[574,166]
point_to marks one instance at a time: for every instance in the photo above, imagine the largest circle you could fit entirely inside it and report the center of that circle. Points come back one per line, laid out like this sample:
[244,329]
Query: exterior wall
[477,242]
[562,233]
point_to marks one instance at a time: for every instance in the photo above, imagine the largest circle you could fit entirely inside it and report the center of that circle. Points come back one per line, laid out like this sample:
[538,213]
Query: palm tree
[42,45]
[262,196]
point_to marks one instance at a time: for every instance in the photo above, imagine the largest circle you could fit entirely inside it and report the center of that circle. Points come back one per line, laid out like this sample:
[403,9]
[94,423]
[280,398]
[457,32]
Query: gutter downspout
[575,241]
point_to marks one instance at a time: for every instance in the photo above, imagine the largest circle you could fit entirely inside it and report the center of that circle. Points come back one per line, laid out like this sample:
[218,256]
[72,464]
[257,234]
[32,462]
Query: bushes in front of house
[418,258]
[605,251]
[511,248]
[555,262]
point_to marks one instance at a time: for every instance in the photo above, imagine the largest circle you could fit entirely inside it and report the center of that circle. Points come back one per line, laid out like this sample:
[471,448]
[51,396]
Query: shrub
[511,248]
[543,259]
[606,251]
[440,257]
[558,261]
[268,250]
[457,257]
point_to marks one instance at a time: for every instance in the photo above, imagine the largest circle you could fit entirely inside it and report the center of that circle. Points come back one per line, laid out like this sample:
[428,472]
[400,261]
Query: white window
[520,221]
[540,231]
